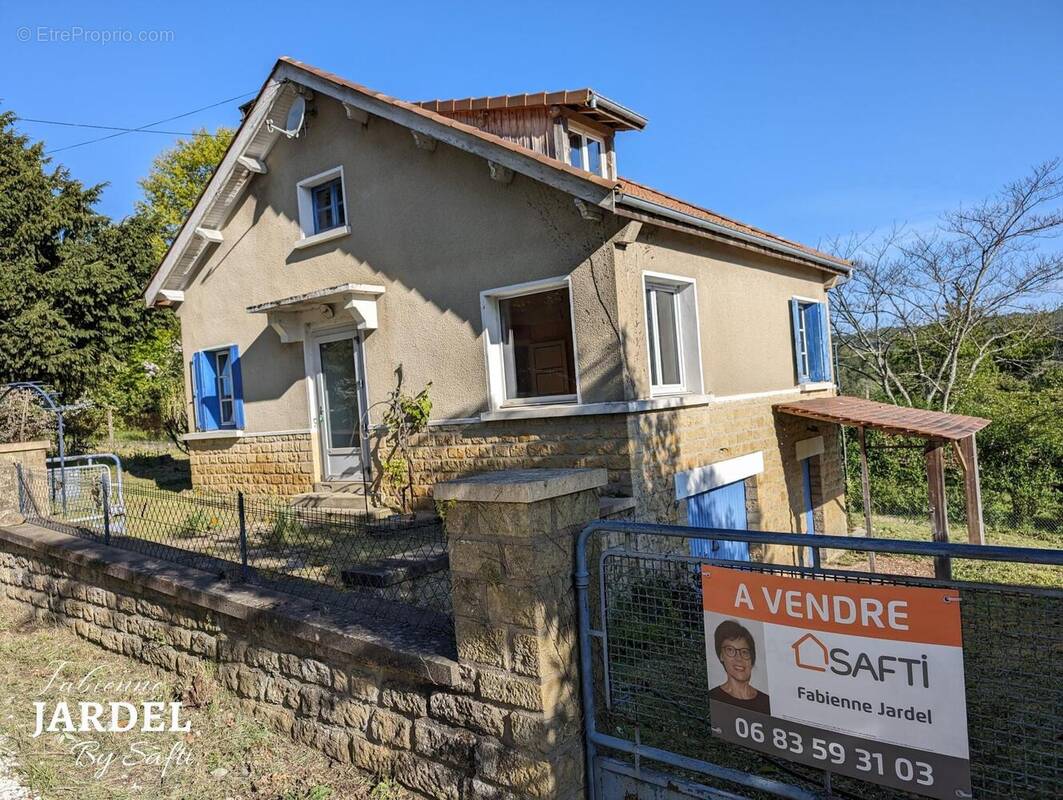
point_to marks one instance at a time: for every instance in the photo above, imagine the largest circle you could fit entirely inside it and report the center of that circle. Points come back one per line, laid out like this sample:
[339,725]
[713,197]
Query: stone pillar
[512,544]
[31,456]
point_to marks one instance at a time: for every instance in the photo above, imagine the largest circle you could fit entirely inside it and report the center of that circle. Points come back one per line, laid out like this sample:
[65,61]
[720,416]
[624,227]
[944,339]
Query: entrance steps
[342,496]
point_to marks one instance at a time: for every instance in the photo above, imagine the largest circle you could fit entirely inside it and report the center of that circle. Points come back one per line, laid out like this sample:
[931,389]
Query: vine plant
[405,416]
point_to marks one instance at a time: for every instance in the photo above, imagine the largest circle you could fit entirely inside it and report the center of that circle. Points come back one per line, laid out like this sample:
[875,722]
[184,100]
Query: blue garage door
[723,507]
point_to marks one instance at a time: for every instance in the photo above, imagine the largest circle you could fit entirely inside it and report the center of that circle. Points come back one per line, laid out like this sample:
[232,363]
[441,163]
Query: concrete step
[340,502]
[341,487]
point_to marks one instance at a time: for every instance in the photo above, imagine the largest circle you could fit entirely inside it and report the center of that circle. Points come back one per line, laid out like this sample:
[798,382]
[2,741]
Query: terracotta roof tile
[628,186]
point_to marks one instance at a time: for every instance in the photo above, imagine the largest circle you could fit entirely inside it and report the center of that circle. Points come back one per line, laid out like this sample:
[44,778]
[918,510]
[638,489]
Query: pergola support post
[865,485]
[967,450]
[939,518]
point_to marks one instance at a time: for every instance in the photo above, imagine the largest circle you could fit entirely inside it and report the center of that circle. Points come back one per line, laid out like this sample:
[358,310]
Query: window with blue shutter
[219,402]
[812,357]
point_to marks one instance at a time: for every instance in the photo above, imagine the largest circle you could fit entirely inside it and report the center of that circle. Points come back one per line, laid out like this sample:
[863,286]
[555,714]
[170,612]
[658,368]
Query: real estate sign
[861,680]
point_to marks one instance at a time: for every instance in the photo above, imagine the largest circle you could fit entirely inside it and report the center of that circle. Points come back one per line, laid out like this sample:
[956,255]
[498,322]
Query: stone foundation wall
[670,441]
[447,452]
[276,464]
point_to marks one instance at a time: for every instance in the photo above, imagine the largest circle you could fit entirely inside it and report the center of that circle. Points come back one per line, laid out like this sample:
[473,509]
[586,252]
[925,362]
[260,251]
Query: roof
[254,139]
[898,420]
[586,101]
[630,187]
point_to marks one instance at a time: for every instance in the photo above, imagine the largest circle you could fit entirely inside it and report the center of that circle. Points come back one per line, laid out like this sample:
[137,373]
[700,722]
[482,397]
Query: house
[564,315]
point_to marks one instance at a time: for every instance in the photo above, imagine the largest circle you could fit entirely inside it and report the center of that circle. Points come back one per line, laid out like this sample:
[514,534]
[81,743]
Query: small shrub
[286,530]
[196,524]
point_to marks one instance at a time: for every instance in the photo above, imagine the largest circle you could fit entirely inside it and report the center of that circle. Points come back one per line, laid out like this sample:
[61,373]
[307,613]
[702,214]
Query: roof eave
[656,209]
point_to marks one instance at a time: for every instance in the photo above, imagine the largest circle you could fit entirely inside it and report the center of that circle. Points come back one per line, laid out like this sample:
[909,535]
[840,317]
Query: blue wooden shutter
[795,318]
[208,411]
[238,387]
[723,507]
[814,340]
[828,356]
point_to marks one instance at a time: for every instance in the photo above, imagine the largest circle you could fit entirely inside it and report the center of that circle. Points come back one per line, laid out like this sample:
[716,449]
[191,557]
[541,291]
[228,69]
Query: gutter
[697,222]
[612,107]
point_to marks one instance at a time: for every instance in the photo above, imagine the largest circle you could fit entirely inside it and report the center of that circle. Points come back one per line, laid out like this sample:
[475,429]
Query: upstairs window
[531,344]
[322,208]
[537,341]
[586,152]
[672,339]
[811,330]
[662,315]
[328,206]
[218,389]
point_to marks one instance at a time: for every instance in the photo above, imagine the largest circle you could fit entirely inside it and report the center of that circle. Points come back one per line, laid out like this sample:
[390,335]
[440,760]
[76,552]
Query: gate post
[511,537]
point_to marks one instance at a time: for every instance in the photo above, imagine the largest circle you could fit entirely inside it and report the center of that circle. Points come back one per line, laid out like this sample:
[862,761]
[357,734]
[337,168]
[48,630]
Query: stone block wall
[492,714]
[279,464]
[670,441]
[447,452]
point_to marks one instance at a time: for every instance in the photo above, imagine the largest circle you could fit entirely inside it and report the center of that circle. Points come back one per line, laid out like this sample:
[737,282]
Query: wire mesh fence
[393,569]
[651,685]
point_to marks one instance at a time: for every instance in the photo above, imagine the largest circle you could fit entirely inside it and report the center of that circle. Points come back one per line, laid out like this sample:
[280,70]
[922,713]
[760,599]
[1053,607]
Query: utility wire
[144,128]
[108,127]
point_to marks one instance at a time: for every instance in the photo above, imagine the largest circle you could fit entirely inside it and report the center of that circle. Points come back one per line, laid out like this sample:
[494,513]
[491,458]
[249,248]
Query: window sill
[589,409]
[224,433]
[324,236]
[819,386]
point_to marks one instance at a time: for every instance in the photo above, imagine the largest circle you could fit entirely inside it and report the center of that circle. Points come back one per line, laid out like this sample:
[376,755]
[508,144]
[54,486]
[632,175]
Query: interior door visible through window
[340,403]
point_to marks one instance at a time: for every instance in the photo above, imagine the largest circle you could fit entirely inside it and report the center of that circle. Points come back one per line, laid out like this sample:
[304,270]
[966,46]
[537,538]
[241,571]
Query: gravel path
[11,787]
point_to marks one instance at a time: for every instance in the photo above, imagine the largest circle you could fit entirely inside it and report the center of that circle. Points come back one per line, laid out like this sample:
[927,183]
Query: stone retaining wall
[281,464]
[491,713]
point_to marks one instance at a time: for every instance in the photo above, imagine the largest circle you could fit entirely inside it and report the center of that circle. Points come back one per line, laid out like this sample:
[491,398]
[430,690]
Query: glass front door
[339,390]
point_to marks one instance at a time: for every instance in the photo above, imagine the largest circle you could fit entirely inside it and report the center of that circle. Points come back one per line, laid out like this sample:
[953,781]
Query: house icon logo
[810,653]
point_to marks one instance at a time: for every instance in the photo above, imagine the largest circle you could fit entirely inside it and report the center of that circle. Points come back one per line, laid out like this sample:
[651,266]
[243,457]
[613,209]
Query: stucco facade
[434,231]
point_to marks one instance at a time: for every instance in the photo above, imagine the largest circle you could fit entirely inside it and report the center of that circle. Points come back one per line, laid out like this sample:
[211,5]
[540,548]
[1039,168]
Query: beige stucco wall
[743,309]
[434,230]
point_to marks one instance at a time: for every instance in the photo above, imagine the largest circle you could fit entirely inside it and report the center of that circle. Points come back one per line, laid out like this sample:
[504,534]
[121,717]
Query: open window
[218,384]
[672,337]
[587,152]
[811,331]
[322,207]
[531,356]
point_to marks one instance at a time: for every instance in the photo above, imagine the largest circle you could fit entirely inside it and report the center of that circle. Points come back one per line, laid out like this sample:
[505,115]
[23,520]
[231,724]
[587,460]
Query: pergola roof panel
[898,420]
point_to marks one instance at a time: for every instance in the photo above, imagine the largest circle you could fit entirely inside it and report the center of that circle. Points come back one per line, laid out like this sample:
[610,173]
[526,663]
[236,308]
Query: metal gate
[645,684]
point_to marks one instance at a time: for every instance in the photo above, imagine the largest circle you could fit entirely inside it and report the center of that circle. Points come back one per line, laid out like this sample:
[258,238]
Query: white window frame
[586,135]
[305,195]
[497,356]
[688,331]
[219,381]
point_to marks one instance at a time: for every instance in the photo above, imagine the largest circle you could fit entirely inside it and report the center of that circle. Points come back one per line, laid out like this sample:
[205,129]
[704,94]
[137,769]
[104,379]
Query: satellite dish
[294,123]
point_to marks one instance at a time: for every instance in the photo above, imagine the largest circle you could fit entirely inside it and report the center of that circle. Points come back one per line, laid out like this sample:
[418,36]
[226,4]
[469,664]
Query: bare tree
[923,311]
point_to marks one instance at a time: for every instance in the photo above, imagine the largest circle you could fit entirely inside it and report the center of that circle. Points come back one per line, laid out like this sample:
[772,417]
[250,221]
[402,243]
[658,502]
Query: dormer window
[586,152]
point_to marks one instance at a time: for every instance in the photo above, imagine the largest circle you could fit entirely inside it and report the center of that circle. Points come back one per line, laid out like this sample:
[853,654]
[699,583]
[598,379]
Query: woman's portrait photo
[736,649]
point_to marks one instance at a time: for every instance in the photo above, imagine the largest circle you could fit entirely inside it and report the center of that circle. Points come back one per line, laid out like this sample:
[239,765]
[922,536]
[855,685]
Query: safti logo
[810,653]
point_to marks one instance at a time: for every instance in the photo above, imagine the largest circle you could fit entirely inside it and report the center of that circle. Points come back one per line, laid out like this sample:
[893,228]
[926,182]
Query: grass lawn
[892,527]
[229,753]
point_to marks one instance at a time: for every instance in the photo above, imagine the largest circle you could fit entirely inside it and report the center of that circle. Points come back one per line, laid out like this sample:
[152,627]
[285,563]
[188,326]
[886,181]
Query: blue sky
[810,119]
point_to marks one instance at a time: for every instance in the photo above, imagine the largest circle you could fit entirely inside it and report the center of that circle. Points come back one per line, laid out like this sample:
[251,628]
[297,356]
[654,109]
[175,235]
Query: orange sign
[914,614]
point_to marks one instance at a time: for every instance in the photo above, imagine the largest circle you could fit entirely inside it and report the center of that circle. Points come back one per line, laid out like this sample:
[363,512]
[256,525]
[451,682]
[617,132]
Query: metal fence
[646,687]
[387,571]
